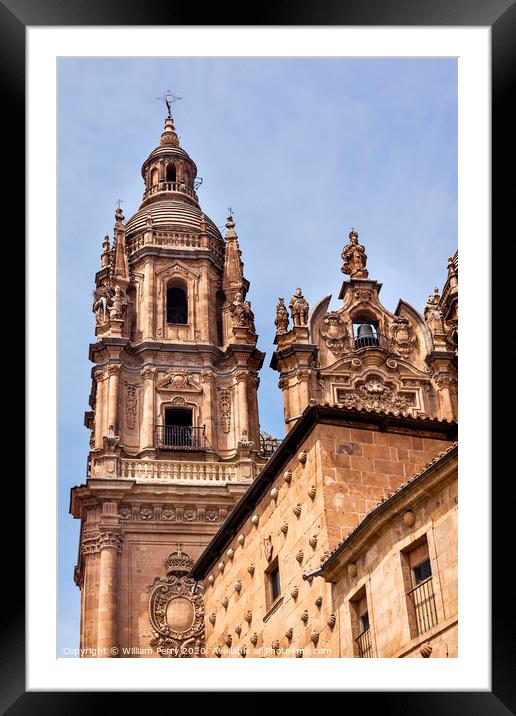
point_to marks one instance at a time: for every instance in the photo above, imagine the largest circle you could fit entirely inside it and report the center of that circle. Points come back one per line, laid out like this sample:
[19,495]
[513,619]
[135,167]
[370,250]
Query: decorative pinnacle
[169,98]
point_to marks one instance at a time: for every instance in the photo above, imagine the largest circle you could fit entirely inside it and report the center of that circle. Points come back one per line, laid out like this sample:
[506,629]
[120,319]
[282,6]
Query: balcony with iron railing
[364,644]
[423,599]
[169,186]
[180,437]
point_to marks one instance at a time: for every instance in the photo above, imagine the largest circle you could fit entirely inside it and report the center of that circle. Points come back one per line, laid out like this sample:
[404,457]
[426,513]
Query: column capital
[148,373]
[94,541]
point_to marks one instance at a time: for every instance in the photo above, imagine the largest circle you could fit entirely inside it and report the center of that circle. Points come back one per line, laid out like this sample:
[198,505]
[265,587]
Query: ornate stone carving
[282,318]
[254,639]
[225,409]
[363,295]
[274,493]
[297,509]
[131,405]
[354,258]
[241,540]
[102,302]
[299,308]
[304,616]
[238,586]
[332,620]
[251,569]
[425,649]
[287,476]
[94,541]
[267,545]
[211,515]
[312,492]
[409,519]
[243,317]
[299,556]
[302,457]
[313,541]
[373,395]
[402,336]
[318,602]
[146,514]
[175,382]
[230,553]
[255,519]
[176,610]
[334,332]
[284,527]
[294,593]
[433,313]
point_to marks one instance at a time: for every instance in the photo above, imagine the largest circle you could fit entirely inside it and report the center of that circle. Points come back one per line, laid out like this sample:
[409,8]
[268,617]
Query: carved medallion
[334,332]
[176,610]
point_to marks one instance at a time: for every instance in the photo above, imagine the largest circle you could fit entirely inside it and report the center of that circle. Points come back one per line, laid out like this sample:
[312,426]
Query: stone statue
[298,308]
[243,317]
[282,319]
[433,314]
[354,258]
[102,301]
[118,304]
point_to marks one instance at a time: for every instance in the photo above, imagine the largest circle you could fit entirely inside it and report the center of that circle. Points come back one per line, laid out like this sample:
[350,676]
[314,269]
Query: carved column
[148,299]
[303,390]
[207,380]
[243,408]
[100,400]
[109,544]
[445,387]
[147,438]
[113,395]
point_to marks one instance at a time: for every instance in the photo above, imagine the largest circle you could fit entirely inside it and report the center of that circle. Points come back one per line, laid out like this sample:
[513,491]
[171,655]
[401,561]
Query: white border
[471,670]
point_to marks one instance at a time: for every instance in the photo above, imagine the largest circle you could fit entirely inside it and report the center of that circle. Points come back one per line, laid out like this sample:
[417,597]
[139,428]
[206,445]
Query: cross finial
[231,212]
[119,203]
[169,98]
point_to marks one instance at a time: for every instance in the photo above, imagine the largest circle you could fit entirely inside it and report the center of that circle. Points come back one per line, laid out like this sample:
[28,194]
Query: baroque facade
[201,535]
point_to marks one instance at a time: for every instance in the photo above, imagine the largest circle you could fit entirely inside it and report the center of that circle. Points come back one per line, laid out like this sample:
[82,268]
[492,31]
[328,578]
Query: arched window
[177,305]
[171,172]
[154,177]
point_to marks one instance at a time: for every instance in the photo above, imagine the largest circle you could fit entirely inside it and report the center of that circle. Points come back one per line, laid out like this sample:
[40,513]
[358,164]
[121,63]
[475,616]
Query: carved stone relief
[180,382]
[402,336]
[225,409]
[374,394]
[176,610]
[334,332]
[131,405]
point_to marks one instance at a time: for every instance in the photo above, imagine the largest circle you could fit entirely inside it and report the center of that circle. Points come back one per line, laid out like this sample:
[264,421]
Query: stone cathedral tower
[175,435]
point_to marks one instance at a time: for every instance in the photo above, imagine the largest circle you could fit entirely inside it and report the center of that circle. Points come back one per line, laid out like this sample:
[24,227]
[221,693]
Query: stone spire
[233,280]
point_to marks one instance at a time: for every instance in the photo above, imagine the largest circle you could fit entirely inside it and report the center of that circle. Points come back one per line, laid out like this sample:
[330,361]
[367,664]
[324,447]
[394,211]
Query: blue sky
[302,149]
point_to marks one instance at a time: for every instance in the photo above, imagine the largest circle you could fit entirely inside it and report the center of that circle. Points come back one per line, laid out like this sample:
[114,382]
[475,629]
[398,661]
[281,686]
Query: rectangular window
[417,573]
[272,583]
[360,625]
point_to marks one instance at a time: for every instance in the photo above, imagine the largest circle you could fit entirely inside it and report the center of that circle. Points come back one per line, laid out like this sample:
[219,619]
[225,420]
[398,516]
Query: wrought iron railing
[423,599]
[268,445]
[180,437]
[364,644]
[373,341]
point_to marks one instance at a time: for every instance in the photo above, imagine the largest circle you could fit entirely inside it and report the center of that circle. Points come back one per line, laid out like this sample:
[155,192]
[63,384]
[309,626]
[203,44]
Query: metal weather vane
[169,98]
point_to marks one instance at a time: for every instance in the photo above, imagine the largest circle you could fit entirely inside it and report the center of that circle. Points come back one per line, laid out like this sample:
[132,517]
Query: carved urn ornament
[176,609]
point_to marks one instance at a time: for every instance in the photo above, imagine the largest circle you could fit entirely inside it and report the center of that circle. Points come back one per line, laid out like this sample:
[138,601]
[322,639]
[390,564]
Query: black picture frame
[500,16]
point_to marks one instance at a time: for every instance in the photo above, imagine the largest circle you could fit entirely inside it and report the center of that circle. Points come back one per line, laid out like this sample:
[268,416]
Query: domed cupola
[170,199]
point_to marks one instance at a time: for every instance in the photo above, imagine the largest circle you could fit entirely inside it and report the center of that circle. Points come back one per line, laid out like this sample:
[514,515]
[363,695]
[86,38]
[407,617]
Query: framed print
[228,489]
